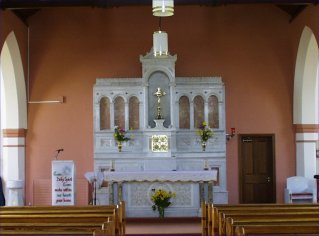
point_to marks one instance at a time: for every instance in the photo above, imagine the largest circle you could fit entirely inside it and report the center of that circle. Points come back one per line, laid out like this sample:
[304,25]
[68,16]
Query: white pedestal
[15,196]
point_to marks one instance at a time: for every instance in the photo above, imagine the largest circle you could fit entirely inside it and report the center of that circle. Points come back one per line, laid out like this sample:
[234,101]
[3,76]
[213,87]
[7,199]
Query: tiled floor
[169,225]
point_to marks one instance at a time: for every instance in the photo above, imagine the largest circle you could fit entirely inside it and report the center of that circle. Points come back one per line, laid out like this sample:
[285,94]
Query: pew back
[259,207]
[216,208]
[62,219]
[295,229]
[263,215]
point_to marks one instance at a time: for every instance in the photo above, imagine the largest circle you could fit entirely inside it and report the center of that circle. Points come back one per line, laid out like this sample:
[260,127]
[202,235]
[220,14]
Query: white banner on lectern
[63,183]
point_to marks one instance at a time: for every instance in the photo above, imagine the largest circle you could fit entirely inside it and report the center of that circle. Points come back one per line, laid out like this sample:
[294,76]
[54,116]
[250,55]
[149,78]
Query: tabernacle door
[63,183]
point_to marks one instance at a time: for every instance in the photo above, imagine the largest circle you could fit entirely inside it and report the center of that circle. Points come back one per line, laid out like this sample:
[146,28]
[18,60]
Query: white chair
[300,189]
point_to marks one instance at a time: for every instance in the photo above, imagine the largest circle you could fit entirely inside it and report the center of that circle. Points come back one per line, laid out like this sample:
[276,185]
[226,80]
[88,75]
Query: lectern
[63,183]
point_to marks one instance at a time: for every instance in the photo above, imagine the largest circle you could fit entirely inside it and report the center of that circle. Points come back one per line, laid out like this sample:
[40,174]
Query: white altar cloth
[202,177]
[162,176]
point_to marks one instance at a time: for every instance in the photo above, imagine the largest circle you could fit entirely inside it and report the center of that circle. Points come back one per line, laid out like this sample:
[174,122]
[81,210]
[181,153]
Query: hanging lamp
[163,8]
[160,42]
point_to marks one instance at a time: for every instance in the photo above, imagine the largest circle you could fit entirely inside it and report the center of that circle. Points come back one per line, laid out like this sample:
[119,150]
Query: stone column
[14,166]
[306,138]
[191,112]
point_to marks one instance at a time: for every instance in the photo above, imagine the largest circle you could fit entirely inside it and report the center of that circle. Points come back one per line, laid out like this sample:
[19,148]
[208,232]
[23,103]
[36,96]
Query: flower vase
[119,146]
[161,212]
[203,146]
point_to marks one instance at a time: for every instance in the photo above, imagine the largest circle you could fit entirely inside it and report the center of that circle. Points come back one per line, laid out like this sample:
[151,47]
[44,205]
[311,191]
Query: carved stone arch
[120,95]
[105,109]
[197,94]
[181,95]
[100,96]
[162,69]
[219,97]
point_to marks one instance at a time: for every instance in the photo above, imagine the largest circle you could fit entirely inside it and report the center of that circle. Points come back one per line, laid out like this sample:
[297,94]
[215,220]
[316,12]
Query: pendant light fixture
[160,42]
[163,8]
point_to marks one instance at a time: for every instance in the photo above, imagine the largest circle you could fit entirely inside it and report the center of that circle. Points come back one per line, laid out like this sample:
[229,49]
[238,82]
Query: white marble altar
[160,179]
[166,144]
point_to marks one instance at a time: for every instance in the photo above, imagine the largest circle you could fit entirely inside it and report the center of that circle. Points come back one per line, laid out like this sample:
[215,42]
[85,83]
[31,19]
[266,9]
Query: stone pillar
[306,138]
[14,166]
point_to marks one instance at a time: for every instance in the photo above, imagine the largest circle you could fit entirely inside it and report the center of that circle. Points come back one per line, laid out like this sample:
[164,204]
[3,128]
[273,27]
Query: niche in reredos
[160,80]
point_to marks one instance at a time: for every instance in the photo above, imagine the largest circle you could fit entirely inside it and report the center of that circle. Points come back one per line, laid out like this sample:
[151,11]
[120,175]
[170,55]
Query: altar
[159,180]
[161,113]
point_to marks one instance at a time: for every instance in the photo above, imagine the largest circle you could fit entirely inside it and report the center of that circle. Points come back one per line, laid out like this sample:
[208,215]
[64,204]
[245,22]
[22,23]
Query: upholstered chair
[300,189]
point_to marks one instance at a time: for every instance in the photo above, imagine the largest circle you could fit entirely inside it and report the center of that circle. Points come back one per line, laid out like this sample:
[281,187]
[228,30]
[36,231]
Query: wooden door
[257,169]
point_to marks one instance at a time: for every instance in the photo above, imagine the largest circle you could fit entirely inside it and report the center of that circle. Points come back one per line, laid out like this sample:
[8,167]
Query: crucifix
[159,93]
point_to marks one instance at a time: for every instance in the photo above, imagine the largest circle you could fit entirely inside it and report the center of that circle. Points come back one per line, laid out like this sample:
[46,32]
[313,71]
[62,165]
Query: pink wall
[249,46]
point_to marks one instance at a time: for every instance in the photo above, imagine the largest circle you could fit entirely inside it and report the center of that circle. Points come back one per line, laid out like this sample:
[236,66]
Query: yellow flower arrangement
[161,200]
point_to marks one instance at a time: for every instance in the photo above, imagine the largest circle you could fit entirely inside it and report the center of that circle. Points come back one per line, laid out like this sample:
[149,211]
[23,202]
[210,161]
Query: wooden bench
[63,219]
[265,214]
[210,212]
[267,218]
[259,229]
[219,220]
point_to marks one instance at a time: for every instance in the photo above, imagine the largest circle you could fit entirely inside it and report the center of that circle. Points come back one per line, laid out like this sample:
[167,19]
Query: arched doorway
[13,121]
[306,104]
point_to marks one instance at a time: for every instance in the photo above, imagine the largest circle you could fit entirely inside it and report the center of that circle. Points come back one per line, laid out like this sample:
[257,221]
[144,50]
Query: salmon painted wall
[249,46]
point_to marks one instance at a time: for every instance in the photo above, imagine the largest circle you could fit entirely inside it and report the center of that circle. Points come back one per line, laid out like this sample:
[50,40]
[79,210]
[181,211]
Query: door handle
[268,179]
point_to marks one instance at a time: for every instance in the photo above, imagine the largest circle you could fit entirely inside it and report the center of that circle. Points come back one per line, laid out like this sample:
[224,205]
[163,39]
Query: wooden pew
[52,224]
[106,230]
[294,229]
[264,214]
[51,228]
[62,219]
[251,207]
[207,218]
[232,223]
[122,218]
[204,221]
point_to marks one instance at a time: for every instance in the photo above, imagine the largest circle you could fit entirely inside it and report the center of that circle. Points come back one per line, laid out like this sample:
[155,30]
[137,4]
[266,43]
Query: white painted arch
[13,121]
[14,90]
[306,80]
[305,101]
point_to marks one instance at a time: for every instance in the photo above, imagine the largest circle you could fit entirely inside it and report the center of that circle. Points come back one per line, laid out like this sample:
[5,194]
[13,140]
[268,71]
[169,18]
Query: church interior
[104,103]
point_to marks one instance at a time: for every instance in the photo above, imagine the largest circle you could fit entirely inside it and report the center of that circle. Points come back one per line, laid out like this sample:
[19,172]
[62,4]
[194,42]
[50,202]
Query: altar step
[168,226]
